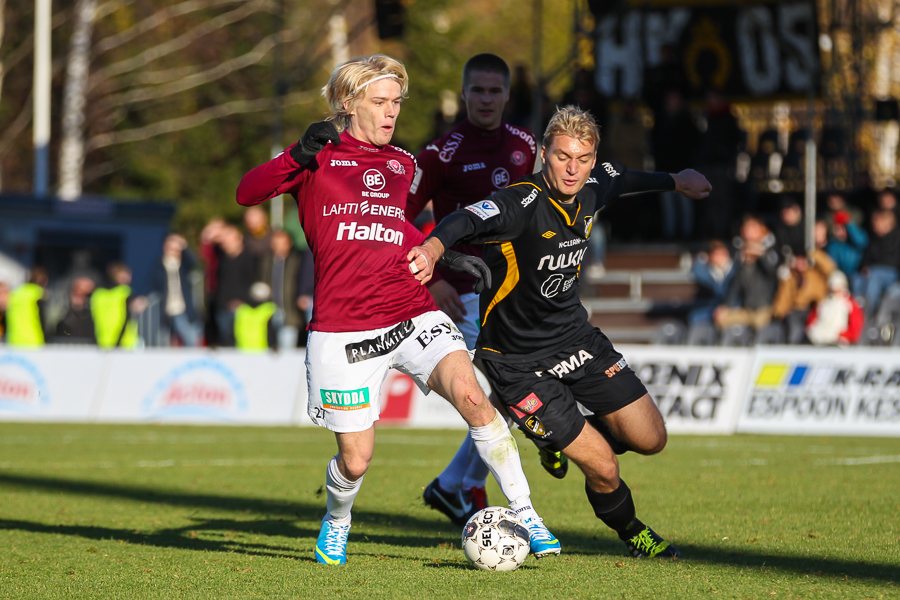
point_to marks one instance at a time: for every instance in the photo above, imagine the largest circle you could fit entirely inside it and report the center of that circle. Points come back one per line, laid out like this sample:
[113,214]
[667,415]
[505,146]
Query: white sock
[476,474]
[523,509]
[341,493]
[497,448]
[452,477]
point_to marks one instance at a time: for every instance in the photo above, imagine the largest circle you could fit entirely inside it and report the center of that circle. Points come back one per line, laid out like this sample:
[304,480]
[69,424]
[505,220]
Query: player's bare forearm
[692,184]
[422,259]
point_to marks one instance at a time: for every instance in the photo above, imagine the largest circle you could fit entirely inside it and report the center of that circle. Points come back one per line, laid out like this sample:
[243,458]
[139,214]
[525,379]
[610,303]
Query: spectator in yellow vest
[112,309]
[253,327]
[24,312]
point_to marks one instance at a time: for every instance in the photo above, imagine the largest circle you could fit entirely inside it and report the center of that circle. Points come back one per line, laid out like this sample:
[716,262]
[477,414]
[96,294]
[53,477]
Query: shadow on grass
[300,520]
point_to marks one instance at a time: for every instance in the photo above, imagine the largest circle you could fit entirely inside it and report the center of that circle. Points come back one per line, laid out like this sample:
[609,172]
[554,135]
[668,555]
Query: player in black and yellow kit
[537,347]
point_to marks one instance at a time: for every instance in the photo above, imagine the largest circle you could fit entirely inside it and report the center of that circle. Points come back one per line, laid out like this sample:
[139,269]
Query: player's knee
[355,467]
[603,477]
[655,441]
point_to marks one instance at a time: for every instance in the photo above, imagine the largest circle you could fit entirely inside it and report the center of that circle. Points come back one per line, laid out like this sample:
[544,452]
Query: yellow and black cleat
[646,543]
[554,463]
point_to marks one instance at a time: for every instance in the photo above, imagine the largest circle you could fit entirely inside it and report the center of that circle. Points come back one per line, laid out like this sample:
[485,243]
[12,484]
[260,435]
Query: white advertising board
[697,389]
[853,391]
[200,386]
[52,384]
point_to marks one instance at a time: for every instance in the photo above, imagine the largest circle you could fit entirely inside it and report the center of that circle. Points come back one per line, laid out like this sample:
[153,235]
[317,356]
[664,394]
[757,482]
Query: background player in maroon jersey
[370,314]
[476,158]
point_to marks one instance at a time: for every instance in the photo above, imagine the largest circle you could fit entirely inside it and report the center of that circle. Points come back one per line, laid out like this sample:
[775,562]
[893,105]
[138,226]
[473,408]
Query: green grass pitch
[118,511]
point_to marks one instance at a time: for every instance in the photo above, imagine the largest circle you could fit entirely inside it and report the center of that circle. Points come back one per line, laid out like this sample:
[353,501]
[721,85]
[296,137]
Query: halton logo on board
[22,386]
[202,388]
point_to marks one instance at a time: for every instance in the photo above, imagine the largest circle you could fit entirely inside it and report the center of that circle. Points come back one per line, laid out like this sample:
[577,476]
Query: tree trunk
[71,156]
[2,31]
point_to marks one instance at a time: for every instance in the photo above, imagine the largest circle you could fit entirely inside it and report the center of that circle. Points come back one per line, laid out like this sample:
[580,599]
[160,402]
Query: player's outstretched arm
[692,184]
[280,175]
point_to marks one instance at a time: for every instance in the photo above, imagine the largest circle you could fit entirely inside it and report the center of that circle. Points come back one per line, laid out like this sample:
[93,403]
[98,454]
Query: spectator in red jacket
[837,319]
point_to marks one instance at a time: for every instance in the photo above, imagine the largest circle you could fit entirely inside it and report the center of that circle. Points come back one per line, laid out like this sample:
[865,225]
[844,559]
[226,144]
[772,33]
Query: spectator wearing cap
[837,319]
[847,243]
[880,262]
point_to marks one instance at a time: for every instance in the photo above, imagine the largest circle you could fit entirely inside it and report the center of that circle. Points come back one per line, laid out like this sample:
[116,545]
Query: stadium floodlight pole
[42,78]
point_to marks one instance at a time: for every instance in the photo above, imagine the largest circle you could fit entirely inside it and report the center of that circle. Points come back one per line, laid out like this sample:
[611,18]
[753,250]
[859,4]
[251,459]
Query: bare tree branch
[107,8]
[153,21]
[214,112]
[221,70]
[16,127]
[27,45]
[180,42]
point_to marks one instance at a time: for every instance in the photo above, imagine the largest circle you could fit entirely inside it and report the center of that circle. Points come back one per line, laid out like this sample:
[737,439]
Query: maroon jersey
[465,166]
[351,201]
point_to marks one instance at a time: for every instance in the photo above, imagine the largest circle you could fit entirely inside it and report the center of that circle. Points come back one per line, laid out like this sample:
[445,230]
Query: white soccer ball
[495,539]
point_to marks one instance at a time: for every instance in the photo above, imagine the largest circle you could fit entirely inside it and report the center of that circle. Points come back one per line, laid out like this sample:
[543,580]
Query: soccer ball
[495,539]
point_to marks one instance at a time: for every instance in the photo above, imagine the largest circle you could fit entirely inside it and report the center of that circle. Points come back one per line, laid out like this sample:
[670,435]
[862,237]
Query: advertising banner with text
[851,391]
[52,384]
[697,390]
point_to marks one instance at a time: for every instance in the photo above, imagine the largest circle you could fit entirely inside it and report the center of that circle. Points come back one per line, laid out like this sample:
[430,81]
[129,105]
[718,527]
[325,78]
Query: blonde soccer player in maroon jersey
[370,314]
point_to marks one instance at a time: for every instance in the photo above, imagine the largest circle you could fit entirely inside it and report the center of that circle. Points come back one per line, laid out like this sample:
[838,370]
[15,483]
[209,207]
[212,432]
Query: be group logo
[374,180]
[202,388]
[22,386]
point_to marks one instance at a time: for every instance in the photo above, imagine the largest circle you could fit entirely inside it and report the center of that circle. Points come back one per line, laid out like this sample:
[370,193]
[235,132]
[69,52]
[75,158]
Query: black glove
[474,266]
[312,142]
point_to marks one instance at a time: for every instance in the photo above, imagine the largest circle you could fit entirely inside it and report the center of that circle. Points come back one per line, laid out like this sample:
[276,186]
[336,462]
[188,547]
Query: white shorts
[345,371]
[471,323]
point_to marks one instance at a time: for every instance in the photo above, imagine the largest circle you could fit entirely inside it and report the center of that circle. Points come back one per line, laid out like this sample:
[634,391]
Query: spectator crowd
[765,286]
[256,294]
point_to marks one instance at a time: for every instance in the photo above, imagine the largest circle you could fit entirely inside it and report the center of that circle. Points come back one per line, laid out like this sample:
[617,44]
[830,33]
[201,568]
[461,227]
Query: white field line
[432,440]
[219,462]
[865,460]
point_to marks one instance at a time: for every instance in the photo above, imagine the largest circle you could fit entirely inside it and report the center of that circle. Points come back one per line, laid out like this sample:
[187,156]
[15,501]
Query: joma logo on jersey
[571,363]
[343,163]
[610,170]
[349,400]
[375,232]
[562,261]
[529,199]
[473,167]
[616,368]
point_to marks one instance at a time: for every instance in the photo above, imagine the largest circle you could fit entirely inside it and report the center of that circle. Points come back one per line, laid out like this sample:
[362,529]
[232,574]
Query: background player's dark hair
[486,63]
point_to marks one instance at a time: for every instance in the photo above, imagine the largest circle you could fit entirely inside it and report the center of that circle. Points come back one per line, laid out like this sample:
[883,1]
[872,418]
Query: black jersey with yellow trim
[534,245]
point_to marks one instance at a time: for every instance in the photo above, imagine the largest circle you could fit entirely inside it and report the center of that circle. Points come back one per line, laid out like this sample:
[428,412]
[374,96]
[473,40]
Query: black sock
[615,509]
[618,446]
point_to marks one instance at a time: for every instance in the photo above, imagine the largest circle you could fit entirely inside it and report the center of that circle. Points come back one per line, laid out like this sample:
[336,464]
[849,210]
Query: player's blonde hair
[348,83]
[573,122]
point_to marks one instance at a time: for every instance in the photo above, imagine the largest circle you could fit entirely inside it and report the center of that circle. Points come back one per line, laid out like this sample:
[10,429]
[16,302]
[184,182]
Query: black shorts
[542,396]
